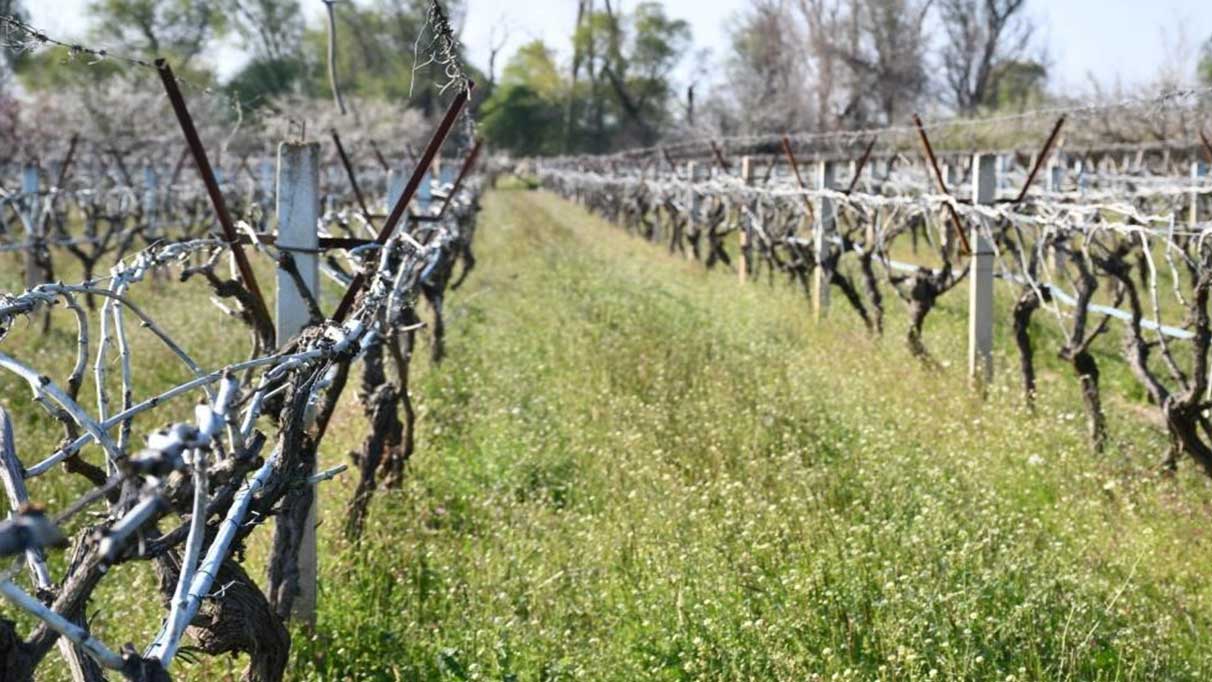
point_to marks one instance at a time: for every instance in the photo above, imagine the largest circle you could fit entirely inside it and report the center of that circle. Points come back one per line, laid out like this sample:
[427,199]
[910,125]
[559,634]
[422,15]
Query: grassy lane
[632,469]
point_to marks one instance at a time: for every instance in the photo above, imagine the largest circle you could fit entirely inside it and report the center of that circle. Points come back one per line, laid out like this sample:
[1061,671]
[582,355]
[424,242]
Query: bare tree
[887,58]
[498,37]
[767,66]
[274,26]
[824,20]
[980,35]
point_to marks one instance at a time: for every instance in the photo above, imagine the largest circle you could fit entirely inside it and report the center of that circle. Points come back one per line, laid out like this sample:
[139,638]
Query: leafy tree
[628,60]
[265,78]
[177,29]
[525,103]
[1016,84]
[375,56]
[58,69]
[274,29]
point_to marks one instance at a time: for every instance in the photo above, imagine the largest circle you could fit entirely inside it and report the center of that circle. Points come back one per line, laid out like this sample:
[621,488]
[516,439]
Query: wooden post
[742,263]
[33,236]
[826,172]
[980,296]
[298,235]
[951,172]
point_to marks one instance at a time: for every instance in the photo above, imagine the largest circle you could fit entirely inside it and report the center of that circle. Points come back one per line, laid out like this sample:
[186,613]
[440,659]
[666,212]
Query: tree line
[627,77]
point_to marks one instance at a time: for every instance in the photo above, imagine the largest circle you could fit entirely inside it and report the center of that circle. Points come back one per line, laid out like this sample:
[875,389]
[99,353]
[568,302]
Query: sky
[1126,40]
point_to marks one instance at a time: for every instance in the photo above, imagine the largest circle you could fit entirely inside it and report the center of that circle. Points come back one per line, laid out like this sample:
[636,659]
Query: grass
[629,468]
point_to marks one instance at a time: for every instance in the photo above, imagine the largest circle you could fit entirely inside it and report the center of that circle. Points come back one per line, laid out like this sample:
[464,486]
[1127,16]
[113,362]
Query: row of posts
[985,178]
[296,186]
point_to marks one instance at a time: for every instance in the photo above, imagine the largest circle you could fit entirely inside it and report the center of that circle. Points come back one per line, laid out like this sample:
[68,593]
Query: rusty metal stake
[374,147]
[353,178]
[799,180]
[1207,145]
[260,312]
[719,157]
[468,164]
[942,185]
[67,160]
[397,211]
[858,170]
[1039,161]
[673,167]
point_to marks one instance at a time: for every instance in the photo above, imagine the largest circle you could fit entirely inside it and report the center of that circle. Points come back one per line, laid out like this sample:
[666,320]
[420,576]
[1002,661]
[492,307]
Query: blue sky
[1127,39]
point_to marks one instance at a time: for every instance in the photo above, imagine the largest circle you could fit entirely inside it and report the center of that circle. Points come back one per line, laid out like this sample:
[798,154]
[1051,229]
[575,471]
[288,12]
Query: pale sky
[1127,39]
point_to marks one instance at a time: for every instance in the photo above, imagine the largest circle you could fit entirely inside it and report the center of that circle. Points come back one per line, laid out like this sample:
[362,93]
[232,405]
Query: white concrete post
[33,234]
[298,234]
[267,182]
[151,181]
[424,192]
[826,172]
[980,296]
[1056,175]
[1198,171]
[395,188]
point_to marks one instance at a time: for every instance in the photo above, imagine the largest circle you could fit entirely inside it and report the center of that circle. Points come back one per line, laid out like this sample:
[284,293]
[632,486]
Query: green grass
[629,468]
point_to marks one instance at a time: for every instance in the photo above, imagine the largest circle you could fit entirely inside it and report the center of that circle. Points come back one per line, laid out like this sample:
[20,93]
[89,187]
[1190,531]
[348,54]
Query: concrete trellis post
[1056,175]
[424,192]
[1198,171]
[980,296]
[826,172]
[395,188]
[298,209]
[267,182]
[33,234]
[742,263]
[151,182]
[693,172]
